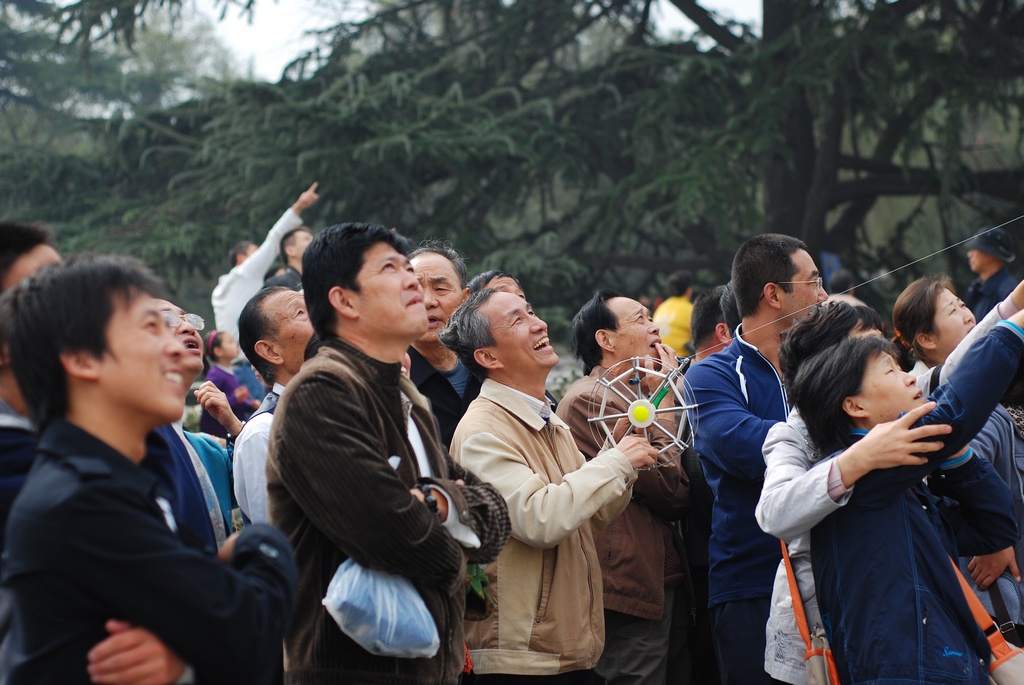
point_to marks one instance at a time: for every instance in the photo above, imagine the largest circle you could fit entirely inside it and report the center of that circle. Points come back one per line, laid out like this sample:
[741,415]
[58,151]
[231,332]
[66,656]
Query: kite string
[883,275]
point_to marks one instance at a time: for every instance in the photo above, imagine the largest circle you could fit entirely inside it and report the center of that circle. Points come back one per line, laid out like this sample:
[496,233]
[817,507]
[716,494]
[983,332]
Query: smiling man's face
[521,337]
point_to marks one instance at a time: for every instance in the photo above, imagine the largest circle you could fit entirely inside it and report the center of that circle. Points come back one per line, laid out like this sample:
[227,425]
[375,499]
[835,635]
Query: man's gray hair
[468,330]
[445,249]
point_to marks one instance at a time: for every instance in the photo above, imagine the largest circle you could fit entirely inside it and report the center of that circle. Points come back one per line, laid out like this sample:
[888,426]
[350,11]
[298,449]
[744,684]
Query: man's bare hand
[641,454]
[216,404]
[227,550]
[306,200]
[986,568]
[1017,296]
[133,656]
[667,358]
[892,444]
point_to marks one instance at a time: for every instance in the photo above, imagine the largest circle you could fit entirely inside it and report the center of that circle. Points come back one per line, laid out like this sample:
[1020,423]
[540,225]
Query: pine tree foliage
[575,142]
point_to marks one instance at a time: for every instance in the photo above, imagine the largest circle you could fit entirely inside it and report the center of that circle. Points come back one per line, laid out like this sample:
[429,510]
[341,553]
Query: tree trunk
[788,173]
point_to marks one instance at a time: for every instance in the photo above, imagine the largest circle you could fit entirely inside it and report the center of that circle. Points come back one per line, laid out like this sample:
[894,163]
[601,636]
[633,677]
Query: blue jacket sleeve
[728,433]
[964,401]
[979,508]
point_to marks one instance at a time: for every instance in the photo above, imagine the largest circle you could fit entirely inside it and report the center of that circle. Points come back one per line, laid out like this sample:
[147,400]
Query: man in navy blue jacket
[739,396]
[988,254]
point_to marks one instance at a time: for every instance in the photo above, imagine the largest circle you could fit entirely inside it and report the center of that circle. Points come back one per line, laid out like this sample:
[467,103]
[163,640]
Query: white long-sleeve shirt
[237,286]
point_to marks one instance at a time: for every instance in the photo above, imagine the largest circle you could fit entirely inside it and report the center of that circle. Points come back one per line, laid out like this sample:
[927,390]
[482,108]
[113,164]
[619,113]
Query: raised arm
[964,402]
[1013,303]
[260,260]
[795,496]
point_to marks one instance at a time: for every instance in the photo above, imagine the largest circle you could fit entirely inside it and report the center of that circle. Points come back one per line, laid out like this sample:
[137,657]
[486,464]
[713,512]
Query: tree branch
[1004,184]
[725,38]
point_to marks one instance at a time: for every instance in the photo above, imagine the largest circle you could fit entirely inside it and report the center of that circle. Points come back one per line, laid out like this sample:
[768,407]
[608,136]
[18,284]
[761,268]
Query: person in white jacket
[800,491]
[245,279]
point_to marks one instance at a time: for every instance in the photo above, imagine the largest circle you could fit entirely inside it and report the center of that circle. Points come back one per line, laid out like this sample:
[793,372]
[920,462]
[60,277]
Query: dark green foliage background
[570,142]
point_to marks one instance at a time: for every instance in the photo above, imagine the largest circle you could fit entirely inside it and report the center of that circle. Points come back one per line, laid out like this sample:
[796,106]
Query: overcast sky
[275,36]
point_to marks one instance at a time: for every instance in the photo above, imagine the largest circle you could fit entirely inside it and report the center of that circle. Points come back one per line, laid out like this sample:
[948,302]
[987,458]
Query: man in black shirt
[92,535]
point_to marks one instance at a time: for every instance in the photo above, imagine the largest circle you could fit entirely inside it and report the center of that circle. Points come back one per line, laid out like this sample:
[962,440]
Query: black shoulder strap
[1006,625]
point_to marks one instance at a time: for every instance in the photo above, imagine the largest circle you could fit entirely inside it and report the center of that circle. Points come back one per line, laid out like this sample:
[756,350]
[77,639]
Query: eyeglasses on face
[174,319]
[819,282]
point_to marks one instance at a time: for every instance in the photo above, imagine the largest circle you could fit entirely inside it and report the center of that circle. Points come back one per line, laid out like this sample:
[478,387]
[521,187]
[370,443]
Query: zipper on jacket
[782,386]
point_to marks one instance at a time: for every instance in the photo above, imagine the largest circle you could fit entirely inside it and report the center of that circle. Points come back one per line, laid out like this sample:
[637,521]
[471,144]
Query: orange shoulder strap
[798,602]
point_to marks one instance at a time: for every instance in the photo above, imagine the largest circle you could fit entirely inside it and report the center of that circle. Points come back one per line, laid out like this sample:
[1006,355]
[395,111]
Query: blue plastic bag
[382,612]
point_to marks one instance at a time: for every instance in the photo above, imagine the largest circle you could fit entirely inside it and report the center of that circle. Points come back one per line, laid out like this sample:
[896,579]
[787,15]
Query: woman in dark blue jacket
[889,598]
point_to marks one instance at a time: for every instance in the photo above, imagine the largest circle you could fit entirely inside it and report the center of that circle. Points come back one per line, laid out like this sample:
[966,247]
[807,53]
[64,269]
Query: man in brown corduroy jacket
[356,468]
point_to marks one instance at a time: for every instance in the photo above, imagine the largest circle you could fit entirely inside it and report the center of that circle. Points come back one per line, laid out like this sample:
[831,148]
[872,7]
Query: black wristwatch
[229,438]
[428,496]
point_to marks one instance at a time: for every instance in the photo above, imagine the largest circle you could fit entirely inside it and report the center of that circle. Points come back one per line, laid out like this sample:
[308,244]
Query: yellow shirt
[673,316]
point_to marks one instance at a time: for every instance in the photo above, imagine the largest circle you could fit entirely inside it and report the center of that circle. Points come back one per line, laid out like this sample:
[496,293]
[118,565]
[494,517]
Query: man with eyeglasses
[203,480]
[739,396]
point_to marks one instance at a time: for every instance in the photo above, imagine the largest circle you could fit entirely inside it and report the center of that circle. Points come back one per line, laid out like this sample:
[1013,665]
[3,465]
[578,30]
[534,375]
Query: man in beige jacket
[548,625]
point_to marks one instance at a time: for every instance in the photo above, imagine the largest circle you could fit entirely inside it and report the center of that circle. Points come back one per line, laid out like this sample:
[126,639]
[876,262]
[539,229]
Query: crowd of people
[373,403]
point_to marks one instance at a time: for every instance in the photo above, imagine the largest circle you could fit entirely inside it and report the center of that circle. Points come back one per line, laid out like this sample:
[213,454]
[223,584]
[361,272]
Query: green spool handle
[684,363]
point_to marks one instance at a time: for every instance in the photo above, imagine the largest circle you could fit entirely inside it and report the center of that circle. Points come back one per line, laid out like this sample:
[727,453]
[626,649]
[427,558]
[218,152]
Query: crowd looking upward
[374,404]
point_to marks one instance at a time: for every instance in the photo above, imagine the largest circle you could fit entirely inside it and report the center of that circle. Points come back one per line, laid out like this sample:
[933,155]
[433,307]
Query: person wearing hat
[988,254]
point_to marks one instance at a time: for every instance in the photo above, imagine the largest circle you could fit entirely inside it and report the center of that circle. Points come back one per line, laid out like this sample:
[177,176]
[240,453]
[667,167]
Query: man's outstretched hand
[306,200]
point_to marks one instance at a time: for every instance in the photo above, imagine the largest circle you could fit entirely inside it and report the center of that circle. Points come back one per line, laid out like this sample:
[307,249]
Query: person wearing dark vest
[435,369]
[988,254]
[273,331]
